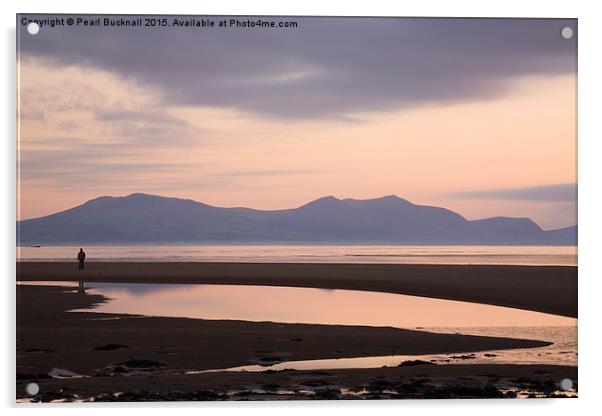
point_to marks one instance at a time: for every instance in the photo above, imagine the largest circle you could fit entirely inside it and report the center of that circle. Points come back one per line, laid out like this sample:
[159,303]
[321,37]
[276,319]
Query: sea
[386,254]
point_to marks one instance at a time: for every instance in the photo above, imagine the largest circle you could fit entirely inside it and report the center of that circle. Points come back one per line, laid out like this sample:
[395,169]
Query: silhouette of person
[81,257]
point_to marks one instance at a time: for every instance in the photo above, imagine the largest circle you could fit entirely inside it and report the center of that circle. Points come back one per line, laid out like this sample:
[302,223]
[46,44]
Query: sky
[476,115]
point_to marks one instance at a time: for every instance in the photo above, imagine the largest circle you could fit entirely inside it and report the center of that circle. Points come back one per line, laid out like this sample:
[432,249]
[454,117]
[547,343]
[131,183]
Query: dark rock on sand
[25,376]
[140,363]
[328,394]
[40,350]
[411,363]
[463,357]
[109,347]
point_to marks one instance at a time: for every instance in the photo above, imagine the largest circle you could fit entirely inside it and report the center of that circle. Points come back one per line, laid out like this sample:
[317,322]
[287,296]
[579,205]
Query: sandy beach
[549,289]
[147,357]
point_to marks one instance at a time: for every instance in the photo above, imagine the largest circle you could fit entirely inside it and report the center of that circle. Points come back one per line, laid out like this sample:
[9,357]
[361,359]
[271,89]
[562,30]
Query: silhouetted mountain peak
[146,218]
[141,195]
[145,203]
[504,222]
[130,197]
[100,198]
[322,202]
[387,199]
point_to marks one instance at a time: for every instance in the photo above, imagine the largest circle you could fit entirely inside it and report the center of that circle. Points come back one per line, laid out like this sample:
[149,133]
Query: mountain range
[150,219]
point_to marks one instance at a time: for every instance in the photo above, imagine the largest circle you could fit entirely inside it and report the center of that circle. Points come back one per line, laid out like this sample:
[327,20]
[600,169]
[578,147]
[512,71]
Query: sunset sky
[476,115]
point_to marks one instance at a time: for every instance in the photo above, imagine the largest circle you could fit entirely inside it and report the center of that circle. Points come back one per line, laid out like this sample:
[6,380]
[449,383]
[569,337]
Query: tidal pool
[317,306]
[349,307]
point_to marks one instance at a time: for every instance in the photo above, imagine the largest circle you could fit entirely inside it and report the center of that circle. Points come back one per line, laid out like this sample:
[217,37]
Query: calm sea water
[525,255]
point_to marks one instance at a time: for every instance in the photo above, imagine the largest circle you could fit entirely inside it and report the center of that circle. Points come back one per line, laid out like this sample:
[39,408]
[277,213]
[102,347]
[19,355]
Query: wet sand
[49,337]
[146,357]
[416,382]
[549,289]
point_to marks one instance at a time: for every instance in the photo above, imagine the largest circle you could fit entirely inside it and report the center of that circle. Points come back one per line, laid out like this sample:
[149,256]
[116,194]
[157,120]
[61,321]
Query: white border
[590,272]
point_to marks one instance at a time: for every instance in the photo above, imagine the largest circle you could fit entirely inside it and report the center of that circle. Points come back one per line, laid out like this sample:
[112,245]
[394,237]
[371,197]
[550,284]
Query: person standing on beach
[81,256]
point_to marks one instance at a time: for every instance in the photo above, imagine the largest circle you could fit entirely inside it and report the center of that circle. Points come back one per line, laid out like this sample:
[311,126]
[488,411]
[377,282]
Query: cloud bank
[327,67]
[548,193]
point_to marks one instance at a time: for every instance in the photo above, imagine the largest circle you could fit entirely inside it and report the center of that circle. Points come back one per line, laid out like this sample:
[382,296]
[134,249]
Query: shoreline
[146,357]
[547,289]
[46,325]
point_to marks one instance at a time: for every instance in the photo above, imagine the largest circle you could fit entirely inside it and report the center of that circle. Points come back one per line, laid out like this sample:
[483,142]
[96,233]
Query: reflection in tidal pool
[322,306]
[318,306]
